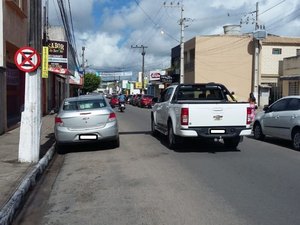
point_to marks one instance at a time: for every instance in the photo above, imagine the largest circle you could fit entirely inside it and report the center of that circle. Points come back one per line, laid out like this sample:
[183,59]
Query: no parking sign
[27,59]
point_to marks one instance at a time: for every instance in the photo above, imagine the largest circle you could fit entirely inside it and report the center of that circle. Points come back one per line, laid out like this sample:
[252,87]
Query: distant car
[136,99]
[145,101]
[114,101]
[280,120]
[86,118]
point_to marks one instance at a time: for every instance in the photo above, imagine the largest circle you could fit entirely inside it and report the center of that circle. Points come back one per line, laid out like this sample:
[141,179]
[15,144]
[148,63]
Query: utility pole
[143,64]
[256,60]
[2,71]
[30,130]
[182,26]
[83,62]
[83,68]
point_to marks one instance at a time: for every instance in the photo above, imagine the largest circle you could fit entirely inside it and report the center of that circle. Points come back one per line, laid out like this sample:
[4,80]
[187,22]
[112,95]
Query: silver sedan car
[280,120]
[86,118]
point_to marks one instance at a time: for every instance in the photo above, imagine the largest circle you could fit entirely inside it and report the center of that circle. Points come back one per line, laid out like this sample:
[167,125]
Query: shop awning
[290,77]
[61,71]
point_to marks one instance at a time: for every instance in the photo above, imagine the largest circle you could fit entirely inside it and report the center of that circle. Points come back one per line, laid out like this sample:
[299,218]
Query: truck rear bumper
[209,132]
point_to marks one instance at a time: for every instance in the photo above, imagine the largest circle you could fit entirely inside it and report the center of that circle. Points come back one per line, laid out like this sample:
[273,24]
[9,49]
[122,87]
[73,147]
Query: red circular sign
[27,59]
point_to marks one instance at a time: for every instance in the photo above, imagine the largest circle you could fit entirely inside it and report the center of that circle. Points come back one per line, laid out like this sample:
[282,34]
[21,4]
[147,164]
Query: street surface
[143,182]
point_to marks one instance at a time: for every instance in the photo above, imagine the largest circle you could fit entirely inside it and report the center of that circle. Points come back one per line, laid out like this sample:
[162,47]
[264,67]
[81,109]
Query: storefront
[15,88]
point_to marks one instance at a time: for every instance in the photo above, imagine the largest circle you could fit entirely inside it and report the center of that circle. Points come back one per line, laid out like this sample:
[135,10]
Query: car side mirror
[155,99]
[266,108]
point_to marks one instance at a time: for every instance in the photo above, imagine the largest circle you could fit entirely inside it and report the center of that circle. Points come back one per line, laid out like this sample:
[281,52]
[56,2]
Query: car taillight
[112,116]
[184,116]
[58,120]
[249,118]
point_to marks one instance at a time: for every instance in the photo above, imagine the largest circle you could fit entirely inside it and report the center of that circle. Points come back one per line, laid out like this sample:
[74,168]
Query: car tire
[116,143]
[154,132]
[173,140]
[232,142]
[296,140]
[59,148]
[257,132]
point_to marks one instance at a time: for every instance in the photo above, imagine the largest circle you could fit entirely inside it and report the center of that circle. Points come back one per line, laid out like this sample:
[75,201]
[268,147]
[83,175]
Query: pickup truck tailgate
[219,114]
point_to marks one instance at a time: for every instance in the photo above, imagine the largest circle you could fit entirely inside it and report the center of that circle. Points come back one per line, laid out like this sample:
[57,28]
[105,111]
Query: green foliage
[91,82]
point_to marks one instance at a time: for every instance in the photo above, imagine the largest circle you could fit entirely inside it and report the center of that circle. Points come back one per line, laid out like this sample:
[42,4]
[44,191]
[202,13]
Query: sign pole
[29,144]
[28,60]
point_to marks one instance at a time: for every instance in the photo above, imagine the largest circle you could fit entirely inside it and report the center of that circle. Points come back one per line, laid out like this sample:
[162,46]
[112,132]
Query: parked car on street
[145,101]
[86,118]
[281,120]
[136,99]
[114,101]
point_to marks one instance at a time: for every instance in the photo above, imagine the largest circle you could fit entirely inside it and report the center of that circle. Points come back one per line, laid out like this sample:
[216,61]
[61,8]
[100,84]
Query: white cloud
[108,38]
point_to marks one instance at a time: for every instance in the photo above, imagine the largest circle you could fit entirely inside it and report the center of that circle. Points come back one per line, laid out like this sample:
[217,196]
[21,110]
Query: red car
[114,101]
[145,101]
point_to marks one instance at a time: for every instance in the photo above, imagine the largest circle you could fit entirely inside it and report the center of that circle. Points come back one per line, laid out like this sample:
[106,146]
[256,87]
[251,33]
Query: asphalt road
[143,182]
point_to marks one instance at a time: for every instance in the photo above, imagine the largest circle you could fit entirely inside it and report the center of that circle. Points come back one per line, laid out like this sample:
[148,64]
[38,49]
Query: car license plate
[88,137]
[217,131]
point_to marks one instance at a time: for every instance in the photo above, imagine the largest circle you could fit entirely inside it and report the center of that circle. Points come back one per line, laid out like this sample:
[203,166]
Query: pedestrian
[252,101]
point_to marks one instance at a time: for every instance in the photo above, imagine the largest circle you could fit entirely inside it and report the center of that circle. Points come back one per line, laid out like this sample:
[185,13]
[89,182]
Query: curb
[10,208]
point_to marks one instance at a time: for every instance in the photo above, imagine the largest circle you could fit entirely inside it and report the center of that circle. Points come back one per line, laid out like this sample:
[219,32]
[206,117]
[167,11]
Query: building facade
[290,79]
[13,26]
[230,60]
[274,50]
[225,59]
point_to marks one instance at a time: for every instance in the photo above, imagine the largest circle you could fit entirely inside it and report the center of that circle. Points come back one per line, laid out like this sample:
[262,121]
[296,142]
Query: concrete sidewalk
[17,178]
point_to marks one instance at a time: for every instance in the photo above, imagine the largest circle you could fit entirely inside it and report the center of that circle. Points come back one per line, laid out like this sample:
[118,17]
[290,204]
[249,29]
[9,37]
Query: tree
[91,82]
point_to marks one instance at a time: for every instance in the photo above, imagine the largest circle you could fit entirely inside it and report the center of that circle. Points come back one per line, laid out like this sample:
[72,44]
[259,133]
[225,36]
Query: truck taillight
[58,120]
[184,116]
[249,117]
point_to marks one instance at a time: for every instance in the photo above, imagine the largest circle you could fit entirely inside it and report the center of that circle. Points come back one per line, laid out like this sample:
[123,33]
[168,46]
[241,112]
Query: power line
[156,25]
[272,7]
[68,31]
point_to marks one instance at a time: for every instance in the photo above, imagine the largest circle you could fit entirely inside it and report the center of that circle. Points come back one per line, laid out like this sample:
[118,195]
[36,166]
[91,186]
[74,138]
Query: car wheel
[59,148]
[116,143]
[258,134]
[232,142]
[173,140]
[296,140]
[153,130]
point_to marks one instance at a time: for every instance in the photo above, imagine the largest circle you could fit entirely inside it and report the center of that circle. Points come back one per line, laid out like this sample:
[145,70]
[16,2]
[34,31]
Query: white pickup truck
[200,111]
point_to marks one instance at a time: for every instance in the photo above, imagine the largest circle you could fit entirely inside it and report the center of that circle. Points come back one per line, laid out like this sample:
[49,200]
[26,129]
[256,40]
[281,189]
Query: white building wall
[270,63]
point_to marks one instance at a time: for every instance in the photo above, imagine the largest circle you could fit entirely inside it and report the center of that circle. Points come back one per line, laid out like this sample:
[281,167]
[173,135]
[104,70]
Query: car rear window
[84,104]
[193,93]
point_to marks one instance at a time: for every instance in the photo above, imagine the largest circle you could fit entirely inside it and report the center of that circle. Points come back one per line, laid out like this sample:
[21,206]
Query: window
[298,52]
[294,104]
[276,51]
[294,88]
[82,105]
[165,96]
[21,6]
[279,106]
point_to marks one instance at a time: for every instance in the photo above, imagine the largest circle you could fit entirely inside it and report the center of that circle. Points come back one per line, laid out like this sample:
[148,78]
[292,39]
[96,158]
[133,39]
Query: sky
[109,29]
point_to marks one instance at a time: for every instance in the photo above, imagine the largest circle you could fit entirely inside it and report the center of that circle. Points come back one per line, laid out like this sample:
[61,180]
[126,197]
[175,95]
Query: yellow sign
[45,62]
[138,85]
